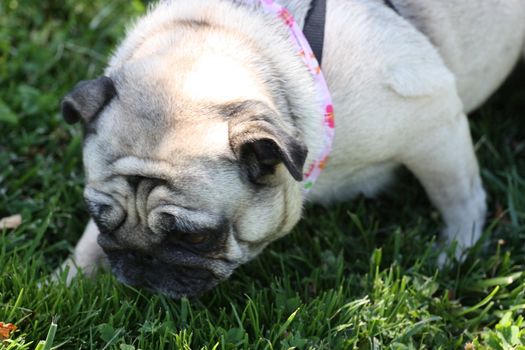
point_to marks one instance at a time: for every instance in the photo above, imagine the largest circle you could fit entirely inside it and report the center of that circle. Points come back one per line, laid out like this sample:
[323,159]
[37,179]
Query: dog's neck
[305,51]
[289,81]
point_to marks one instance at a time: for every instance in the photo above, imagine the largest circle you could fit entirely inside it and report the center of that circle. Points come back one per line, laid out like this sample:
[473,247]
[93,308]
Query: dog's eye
[192,238]
[196,238]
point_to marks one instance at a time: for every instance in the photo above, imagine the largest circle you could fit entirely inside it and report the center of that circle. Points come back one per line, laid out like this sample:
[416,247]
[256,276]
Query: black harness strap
[313,29]
[314,25]
[391,5]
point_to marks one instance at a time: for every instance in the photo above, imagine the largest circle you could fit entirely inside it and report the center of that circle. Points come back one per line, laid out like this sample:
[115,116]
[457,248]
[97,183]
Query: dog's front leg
[445,163]
[87,256]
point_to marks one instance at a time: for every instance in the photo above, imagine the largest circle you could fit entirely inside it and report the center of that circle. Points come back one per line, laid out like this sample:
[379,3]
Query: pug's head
[190,171]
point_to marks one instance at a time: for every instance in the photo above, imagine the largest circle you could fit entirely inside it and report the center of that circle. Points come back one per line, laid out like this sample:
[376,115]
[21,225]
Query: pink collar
[326,122]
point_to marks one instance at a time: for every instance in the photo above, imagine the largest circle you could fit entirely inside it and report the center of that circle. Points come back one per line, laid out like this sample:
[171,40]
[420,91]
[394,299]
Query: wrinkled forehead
[189,179]
[173,103]
[170,110]
[179,143]
[155,136]
[149,144]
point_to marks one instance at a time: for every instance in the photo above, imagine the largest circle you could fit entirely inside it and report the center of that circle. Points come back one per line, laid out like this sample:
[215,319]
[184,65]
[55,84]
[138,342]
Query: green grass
[359,275]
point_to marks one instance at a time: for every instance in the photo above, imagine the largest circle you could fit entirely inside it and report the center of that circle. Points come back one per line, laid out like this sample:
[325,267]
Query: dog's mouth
[173,280]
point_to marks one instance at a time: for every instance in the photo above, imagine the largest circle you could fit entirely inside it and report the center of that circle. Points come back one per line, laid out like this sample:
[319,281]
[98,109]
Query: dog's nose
[141,258]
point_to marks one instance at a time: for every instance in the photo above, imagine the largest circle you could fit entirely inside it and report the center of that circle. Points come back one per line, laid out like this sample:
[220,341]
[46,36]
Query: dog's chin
[174,281]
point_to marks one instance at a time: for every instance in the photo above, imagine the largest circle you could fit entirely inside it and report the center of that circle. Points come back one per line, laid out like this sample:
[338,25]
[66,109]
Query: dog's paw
[450,255]
[457,245]
[66,272]
[63,274]
[68,268]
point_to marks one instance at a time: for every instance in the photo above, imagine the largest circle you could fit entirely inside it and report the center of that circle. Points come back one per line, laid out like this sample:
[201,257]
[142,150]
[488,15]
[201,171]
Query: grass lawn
[358,275]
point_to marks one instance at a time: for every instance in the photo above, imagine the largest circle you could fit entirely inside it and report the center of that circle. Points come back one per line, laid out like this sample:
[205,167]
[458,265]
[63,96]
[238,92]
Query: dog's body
[172,133]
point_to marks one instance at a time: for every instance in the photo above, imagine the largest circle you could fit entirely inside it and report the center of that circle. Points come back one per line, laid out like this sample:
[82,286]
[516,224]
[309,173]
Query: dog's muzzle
[170,270]
[151,255]
[146,271]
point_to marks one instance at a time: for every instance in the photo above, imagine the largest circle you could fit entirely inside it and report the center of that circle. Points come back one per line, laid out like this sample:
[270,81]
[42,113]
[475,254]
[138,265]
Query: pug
[199,132]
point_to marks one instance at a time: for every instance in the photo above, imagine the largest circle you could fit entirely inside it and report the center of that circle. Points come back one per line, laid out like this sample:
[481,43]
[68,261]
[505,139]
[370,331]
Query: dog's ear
[260,144]
[87,99]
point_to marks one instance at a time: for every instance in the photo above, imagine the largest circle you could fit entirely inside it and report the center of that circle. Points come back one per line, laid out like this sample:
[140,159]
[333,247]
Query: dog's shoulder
[382,48]
[478,40]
